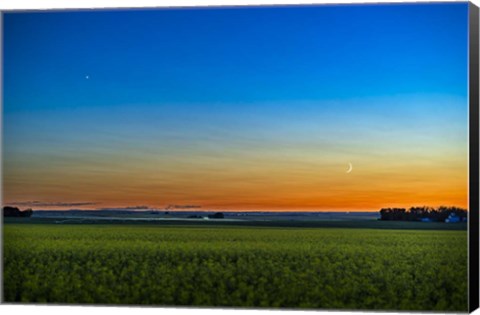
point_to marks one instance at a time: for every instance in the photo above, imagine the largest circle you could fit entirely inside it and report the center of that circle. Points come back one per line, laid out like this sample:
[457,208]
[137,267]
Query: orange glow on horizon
[276,186]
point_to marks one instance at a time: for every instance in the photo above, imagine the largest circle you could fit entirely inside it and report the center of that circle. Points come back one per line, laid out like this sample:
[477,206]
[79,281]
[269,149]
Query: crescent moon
[350,168]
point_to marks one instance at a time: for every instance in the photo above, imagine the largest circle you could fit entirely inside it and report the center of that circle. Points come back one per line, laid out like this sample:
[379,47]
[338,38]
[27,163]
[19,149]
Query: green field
[336,268]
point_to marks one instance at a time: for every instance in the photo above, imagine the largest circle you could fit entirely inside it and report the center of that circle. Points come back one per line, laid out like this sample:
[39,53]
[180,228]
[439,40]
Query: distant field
[280,223]
[337,268]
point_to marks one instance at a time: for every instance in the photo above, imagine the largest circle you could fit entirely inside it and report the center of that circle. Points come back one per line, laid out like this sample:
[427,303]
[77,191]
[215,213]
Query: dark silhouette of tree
[26,213]
[15,212]
[439,214]
[392,214]
[217,215]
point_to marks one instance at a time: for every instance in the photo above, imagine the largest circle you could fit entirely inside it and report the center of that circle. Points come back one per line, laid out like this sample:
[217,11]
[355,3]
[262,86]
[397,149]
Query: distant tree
[390,214]
[419,213]
[385,214]
[400,214]
[26,213]
[217,215]
[15,212]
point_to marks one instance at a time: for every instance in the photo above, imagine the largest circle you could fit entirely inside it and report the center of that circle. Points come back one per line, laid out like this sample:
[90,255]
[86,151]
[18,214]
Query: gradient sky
[237,109]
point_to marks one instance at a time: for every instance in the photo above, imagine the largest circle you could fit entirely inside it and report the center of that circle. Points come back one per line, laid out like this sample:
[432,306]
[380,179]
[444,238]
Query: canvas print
[298,157]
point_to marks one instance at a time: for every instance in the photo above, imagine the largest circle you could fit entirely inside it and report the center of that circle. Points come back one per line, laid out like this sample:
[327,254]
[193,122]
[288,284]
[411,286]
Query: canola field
[325,268]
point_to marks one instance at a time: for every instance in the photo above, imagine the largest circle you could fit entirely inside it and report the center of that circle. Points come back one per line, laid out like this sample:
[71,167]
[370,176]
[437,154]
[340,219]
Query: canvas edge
[2,300]
[239,5]
[473,225]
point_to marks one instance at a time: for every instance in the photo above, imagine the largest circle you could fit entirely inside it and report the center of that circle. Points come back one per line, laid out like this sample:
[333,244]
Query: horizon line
[239,210]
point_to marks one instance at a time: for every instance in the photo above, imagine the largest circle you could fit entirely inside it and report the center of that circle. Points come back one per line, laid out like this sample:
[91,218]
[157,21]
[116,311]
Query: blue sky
[233,55]
[179,82]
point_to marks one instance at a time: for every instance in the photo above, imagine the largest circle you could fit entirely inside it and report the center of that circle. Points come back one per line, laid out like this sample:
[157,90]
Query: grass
[335,268]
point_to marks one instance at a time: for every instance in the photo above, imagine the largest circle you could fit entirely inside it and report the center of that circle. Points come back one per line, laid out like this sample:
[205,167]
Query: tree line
[15,212]
[418,213]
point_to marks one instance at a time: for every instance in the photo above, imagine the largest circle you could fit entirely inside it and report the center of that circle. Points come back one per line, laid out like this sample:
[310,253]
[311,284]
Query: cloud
[137,207]
[52,204]
[126,208]
[182,207]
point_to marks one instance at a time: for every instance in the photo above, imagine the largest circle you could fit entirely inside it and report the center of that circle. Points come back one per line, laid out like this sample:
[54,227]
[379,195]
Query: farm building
[452,218]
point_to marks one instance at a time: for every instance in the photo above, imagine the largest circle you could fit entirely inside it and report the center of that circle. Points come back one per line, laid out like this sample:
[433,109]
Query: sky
[260,108]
